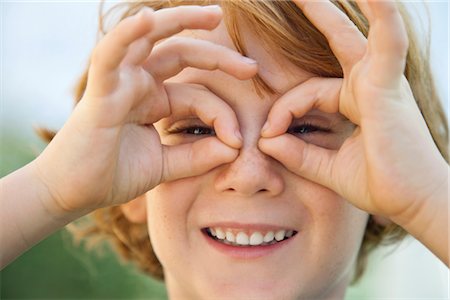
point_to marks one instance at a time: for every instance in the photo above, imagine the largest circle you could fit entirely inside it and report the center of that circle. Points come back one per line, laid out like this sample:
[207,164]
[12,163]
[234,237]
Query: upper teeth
[253,239]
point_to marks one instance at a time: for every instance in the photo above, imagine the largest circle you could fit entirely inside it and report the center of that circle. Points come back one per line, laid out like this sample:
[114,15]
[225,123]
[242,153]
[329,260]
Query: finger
[316,93]
[344,38]
[137,52]
[193,99]
[170,21]
[172,56]
[196,158]
[306,160]
[113,47]
[388,44]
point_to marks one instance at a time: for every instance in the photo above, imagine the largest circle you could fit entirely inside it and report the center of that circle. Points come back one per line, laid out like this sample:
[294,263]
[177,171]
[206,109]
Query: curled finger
[173,55]
[196,158]
[316,93]
[112,49]
[189,102]
[388,44]
[170,21]
[306,160]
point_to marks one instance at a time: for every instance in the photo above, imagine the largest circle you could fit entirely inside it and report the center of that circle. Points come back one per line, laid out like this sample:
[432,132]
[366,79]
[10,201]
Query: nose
[251,173]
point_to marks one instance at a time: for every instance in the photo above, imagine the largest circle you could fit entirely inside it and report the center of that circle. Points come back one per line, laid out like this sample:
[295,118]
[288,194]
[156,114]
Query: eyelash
[192,130]
[301,129]
[307,128]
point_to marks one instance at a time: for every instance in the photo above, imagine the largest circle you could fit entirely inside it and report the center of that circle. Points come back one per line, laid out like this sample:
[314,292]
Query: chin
[260,284]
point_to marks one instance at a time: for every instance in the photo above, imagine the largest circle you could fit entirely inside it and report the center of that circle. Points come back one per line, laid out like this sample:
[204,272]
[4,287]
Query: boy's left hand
[390,166]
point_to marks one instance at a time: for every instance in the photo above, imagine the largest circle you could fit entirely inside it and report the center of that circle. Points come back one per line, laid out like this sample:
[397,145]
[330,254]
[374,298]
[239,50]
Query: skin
[110,151]
[254,189]
[373,169]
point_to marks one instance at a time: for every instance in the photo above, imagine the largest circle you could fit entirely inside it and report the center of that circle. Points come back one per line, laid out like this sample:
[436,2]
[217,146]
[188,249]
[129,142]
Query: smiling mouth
[245,239]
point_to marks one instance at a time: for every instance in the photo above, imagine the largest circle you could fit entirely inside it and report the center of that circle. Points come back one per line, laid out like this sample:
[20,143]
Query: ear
[380,220]
[135,210]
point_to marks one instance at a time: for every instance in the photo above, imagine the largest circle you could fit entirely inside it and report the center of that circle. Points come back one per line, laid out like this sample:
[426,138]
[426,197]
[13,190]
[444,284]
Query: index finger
[187,100]
[320,93]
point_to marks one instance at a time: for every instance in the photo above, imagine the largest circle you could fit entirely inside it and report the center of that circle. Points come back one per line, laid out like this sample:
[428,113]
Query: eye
[307,128]
[195,130]
[198,130]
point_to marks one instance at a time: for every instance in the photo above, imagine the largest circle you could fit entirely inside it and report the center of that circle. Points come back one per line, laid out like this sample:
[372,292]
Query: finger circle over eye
[173,55]
[193,99]
[315,93]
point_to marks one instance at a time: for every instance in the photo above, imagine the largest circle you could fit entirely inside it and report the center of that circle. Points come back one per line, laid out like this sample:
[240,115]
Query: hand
[109,151]
[390,166]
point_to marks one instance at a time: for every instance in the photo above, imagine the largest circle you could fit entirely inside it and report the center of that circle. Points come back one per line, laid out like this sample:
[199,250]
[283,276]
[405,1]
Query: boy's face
[254,195]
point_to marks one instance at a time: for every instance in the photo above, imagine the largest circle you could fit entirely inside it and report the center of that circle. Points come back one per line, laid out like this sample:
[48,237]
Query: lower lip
[247,252]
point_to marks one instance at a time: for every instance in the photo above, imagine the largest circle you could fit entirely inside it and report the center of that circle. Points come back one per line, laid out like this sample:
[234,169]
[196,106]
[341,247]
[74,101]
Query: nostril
[259,191]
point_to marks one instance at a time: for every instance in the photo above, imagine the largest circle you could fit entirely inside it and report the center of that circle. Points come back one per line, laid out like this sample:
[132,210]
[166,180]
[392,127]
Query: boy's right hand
[109,152]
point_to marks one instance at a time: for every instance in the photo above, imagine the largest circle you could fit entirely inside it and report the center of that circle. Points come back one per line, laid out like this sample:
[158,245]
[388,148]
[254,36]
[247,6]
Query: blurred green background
[44,48]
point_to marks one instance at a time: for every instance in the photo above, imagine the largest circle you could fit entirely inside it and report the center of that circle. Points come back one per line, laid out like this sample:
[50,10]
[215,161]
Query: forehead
[273,68]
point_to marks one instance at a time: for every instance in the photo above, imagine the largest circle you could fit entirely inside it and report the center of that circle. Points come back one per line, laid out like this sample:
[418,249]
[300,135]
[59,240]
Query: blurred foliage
[58,269]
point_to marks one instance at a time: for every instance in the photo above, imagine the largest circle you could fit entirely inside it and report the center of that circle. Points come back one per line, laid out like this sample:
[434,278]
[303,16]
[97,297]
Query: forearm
[26,216]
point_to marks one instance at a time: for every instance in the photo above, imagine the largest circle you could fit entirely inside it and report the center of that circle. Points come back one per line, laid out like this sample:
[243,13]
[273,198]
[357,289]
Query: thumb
[306,160]
[196,158]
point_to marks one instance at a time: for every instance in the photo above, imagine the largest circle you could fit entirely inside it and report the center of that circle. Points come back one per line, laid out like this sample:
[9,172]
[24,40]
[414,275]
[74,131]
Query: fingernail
[248,60]
[265,127]
[214,8]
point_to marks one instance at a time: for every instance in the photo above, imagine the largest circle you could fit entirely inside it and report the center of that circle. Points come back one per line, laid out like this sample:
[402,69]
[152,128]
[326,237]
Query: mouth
[248,238]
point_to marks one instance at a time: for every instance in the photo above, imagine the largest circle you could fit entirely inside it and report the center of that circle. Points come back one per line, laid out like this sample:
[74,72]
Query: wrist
[428,220]
[47,194]
[27,215]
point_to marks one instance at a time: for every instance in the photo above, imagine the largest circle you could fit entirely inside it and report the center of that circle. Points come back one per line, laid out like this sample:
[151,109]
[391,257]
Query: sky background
[44,49]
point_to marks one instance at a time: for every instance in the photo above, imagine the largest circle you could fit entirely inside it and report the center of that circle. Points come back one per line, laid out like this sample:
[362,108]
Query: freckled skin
[253,189]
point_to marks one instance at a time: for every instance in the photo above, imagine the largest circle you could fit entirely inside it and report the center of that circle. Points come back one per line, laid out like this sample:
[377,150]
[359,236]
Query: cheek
[334,229]
[327,210]
[168,208]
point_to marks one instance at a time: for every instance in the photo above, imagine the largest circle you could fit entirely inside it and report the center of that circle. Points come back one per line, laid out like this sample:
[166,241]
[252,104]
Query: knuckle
[175,42]
[200,88]
[146,12]
[402,44]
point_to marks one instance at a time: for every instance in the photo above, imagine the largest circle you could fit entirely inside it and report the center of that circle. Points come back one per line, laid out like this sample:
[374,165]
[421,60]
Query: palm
[139,163]
[131,148]
[373,153]
[349,171]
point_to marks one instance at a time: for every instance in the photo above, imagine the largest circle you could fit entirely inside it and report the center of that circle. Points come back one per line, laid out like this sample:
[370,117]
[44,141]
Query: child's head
[327,238]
